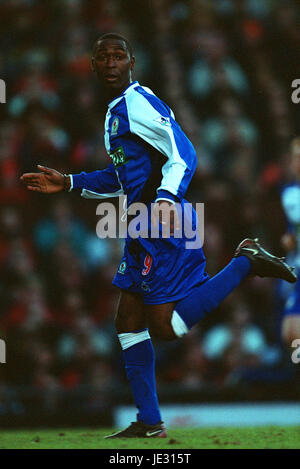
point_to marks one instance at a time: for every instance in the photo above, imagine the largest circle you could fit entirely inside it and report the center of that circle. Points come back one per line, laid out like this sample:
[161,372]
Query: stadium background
[226,68]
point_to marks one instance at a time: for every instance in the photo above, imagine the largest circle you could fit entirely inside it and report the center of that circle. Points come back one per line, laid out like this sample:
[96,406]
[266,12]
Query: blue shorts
[162,270]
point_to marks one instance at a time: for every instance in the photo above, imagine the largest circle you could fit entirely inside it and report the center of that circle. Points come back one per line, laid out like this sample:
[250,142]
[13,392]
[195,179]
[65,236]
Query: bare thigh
[159,320]
[131,314]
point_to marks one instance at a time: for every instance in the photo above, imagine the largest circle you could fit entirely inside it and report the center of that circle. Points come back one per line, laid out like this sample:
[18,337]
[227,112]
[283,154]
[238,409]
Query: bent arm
[154,122]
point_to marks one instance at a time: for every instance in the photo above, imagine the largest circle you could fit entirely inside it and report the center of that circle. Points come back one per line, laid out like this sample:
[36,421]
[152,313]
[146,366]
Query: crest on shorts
[145,287]
[122,268]
[115,126]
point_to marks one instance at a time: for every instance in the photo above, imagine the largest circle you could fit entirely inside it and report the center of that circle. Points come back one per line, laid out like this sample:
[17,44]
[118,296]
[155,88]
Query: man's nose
[110,62]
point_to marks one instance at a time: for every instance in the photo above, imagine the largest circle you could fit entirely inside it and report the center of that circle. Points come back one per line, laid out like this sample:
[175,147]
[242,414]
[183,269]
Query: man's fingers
[34,182]
[177,224]
[34,188]
[168,216]
[154,215]
[31,180]
[45,169]
[29,176]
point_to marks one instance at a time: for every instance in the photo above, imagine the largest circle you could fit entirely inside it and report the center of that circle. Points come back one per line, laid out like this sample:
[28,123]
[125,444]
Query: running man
[164,286]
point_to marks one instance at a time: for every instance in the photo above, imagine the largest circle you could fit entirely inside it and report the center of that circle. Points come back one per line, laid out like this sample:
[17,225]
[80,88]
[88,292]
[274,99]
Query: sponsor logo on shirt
[118,157]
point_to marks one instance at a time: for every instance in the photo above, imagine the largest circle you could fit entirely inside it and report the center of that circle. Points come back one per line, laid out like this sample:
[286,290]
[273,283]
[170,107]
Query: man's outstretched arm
[49,181]
[96,184]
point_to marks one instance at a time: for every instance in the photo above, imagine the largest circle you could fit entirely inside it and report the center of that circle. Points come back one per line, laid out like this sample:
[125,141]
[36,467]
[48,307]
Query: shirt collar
[126,92]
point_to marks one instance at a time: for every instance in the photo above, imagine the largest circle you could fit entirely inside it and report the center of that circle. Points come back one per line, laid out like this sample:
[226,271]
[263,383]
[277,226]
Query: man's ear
[132,63]
[93,64]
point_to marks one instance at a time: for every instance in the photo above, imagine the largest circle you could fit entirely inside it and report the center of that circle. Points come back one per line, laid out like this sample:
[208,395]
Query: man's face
[113,65]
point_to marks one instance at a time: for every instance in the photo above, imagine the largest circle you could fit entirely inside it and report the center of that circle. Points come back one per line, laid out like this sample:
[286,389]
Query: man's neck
[112,94]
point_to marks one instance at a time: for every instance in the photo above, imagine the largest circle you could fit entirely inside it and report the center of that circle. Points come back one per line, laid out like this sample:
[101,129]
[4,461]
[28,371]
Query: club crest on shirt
[122,268]
[163,120]
[115,126]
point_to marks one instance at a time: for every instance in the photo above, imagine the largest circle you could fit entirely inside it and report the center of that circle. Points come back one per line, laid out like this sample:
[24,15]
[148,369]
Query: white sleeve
[157,130]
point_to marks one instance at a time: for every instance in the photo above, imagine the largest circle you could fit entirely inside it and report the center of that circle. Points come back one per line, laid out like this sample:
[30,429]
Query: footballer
[164,287]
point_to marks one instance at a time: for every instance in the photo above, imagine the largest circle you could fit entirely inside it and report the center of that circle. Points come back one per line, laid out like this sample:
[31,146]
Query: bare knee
[159,319]
[130,313]
[127,321]
[162,331]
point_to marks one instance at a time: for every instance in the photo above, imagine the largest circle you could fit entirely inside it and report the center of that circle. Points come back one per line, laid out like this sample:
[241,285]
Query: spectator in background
[213,72]
[237,344]
[238,331]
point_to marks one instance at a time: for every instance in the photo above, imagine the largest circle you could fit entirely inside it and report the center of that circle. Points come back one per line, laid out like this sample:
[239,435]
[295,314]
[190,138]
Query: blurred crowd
[226,68]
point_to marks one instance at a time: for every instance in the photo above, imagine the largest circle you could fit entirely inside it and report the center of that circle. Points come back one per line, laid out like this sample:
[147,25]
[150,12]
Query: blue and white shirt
[152,158]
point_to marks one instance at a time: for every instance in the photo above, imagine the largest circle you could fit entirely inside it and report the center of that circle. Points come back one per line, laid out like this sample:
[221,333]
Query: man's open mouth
[111,78]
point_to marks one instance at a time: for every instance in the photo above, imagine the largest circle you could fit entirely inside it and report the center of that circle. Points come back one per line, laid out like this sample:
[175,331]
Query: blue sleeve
[98,184]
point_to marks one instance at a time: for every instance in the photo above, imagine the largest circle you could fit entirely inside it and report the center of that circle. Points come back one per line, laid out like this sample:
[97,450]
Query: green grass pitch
[272,437]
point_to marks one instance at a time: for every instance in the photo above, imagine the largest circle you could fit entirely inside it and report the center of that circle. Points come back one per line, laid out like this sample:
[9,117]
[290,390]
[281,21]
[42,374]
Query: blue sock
[210,294]
[140,369]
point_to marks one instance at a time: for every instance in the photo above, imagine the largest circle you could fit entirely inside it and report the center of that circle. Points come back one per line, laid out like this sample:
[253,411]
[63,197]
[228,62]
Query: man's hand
[167,214]
[49,181]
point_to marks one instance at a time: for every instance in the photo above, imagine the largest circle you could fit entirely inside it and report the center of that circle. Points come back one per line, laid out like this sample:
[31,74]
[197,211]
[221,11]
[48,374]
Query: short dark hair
[115,36]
